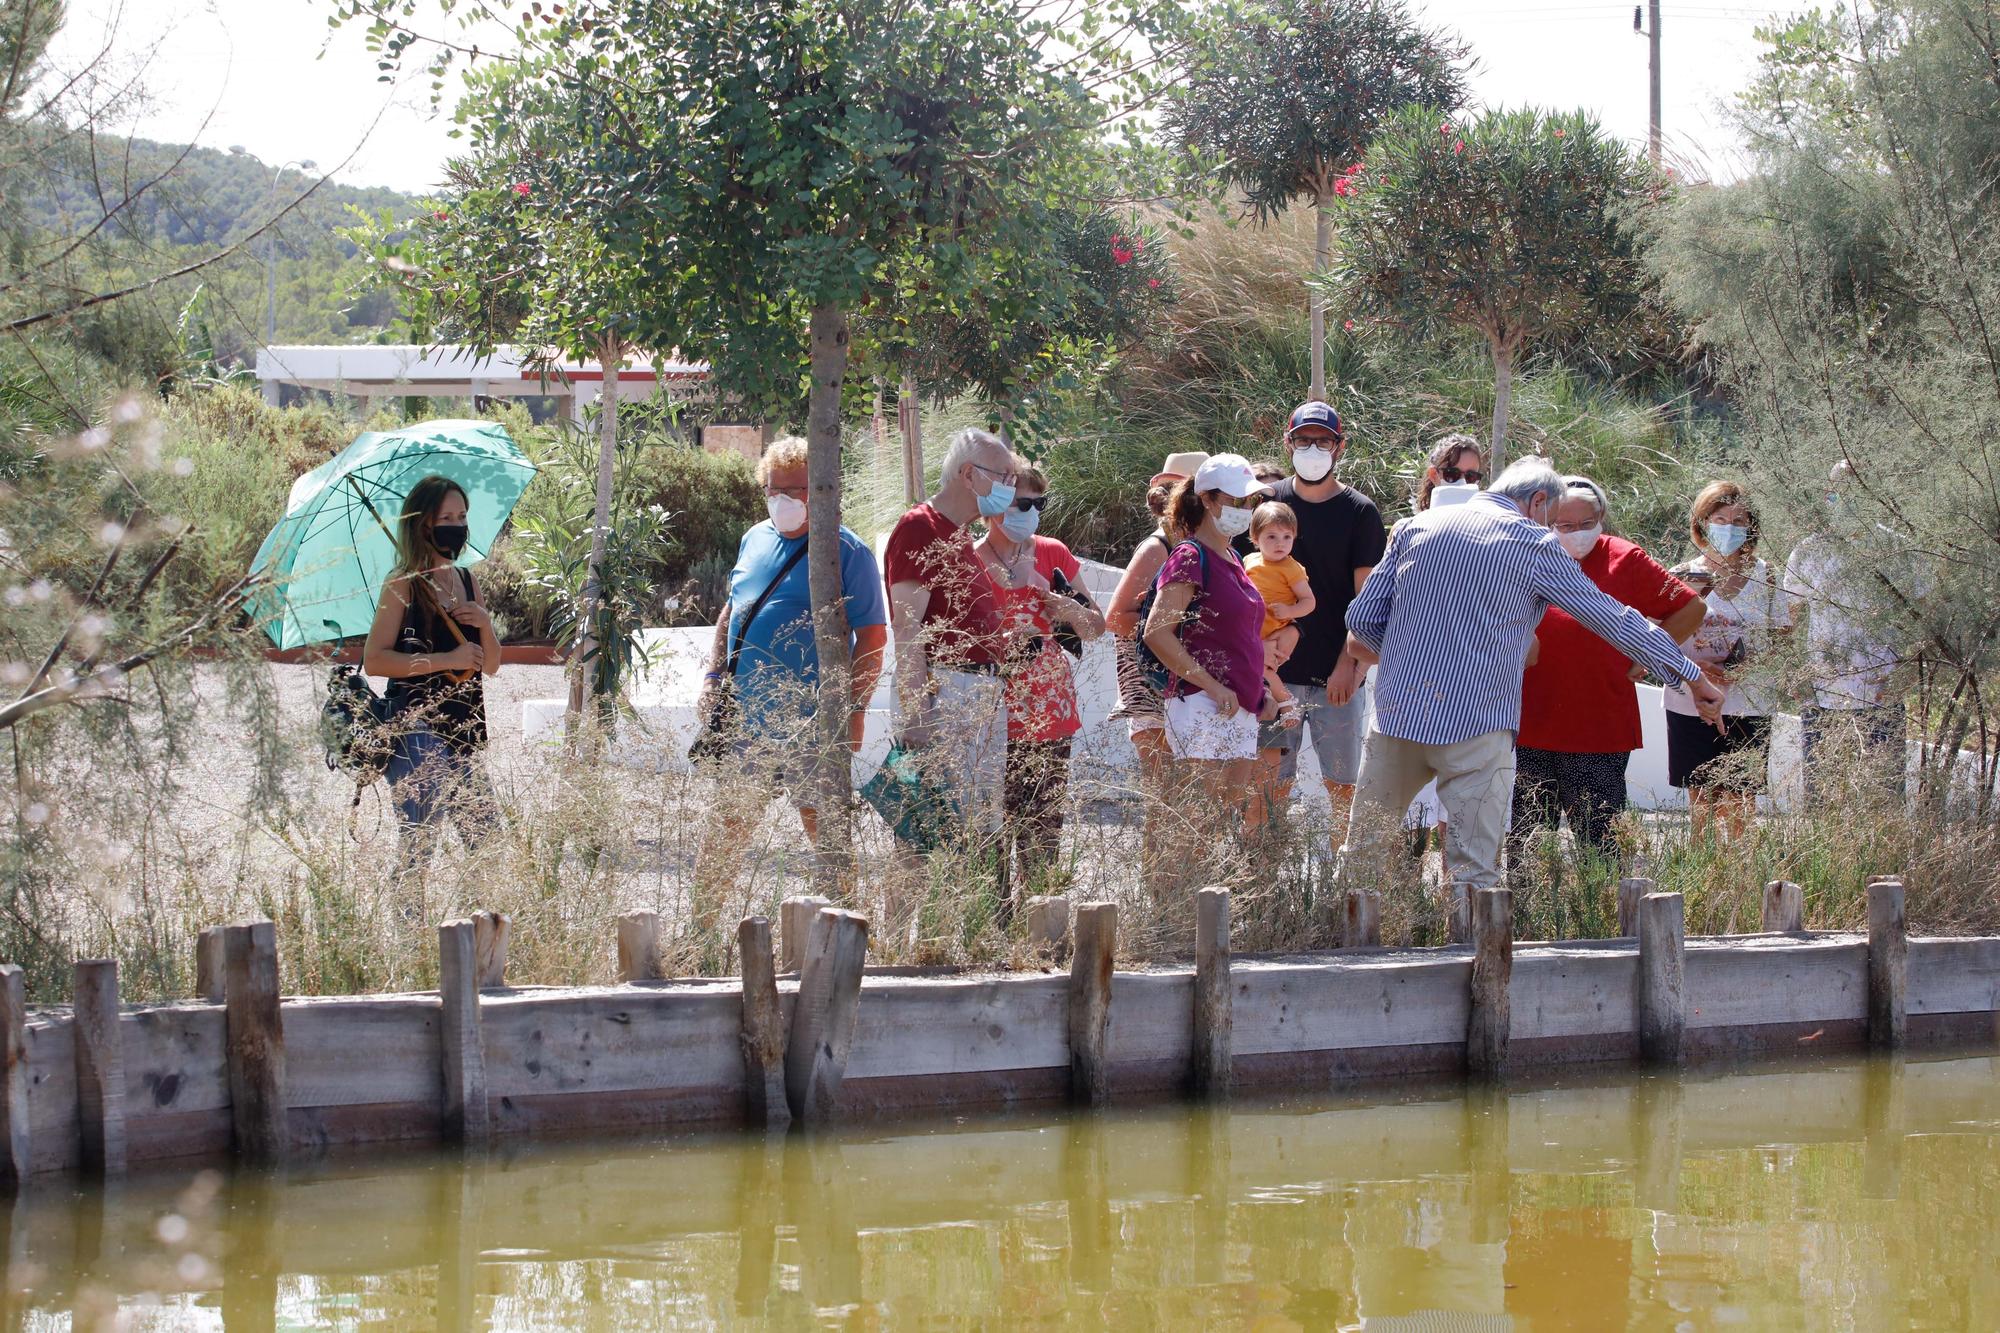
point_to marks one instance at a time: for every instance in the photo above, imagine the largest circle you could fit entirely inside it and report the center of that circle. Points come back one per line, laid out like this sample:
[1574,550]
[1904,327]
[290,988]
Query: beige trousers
[1475,784]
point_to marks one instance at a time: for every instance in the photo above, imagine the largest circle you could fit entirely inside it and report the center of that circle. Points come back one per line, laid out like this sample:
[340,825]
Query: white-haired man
[1449,615]
[945,617]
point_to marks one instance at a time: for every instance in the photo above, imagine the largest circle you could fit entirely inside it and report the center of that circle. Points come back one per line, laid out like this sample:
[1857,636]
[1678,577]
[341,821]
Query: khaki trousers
[1475,784]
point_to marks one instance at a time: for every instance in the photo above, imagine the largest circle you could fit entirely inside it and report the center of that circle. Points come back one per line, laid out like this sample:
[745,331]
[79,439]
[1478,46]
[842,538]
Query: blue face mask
[1727,538]
[994,503]
[1021,523]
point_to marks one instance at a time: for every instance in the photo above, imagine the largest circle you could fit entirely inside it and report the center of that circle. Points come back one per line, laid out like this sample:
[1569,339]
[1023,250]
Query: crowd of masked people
[1500,627]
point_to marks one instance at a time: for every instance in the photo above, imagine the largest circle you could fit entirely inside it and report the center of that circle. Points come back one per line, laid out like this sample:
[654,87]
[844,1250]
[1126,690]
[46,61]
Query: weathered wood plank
[491,931]
[1888,965]
[100,1066]
[1211,1065]
[1662,977]
[1487,1030]
[256,1043]
[16,1161]
[366,1051]
[1630,893]
[1394,999]
[52,1137]
[1364,919]
[208,965]
[1784,907]
[762,1036]
[675,1040]
[795,917]
[464,1109]
[1090,1001]
[1048,925]
[1954,976]
[959,1026]
[1559,993]
[1460,913]
[1747,983]
[824,1014]
[639,947]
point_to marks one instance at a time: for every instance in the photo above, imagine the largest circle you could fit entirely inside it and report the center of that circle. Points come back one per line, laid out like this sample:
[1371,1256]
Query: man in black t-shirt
[1340,538]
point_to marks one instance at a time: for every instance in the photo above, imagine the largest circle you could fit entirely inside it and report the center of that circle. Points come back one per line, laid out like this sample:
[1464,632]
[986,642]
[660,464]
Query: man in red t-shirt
[944,614]
[1579,712]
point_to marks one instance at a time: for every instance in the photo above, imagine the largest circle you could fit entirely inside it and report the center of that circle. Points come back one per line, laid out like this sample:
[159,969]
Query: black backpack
[1150,666]
[353,726]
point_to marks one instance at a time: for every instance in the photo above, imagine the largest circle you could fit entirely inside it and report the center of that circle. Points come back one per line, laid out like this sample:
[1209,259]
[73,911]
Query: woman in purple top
[1205,628]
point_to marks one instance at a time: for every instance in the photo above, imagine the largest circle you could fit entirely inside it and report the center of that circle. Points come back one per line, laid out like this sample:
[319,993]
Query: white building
[408,371]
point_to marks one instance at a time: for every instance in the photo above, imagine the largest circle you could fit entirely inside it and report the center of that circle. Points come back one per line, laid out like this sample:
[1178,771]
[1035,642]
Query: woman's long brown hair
[1185,510]
[415,552]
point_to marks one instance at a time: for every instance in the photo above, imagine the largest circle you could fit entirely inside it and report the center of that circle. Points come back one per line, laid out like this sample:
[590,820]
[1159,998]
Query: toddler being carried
[1281,581]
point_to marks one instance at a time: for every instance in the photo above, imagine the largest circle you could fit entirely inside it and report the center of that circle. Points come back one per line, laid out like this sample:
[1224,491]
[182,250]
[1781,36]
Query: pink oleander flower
[1152,282]
[1458,147]
[523,189]
[1343,187]
[1121,250]
[1347,324]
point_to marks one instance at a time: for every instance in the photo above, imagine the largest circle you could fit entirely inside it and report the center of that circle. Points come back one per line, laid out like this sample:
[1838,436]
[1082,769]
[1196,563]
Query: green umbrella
[323,565]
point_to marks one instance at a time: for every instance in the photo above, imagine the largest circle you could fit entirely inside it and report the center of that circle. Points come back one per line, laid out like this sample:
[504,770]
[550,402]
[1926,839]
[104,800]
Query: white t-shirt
[1734,633]
[1851,662]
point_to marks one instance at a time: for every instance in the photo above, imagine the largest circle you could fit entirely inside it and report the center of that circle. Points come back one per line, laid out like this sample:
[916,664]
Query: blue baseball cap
[1316,413]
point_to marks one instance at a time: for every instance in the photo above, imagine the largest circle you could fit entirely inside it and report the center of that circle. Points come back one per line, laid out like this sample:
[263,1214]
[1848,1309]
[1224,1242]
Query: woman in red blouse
[1579,712]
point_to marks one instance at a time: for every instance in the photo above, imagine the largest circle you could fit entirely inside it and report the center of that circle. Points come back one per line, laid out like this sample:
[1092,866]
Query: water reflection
[1853,1195]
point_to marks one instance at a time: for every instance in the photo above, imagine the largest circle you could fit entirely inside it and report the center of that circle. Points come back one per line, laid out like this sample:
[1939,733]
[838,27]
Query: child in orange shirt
[1286,591]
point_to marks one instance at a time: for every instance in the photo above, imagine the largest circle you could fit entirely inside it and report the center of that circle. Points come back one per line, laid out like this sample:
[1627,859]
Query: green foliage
[1300,90]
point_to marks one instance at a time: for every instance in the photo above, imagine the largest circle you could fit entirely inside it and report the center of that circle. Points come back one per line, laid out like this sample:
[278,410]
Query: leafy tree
[1296,96]
[1517,226]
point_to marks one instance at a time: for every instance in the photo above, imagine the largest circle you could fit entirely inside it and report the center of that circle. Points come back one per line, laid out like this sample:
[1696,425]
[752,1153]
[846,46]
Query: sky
[271,77]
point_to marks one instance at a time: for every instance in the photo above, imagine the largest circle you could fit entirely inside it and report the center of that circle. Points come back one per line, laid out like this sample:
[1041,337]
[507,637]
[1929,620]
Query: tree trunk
[909,410]
[1322,256]
[1503,395]
[588,671]
[832,863]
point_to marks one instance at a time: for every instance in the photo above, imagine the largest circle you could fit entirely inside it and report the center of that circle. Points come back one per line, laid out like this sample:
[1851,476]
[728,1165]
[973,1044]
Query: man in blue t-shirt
[776,677]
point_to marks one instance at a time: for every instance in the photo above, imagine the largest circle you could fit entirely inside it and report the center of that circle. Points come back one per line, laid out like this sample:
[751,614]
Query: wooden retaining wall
[652,1055]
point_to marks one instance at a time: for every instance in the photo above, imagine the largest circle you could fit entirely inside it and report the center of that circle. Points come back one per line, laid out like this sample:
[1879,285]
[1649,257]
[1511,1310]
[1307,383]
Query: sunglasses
[1471,474]
[1031,502]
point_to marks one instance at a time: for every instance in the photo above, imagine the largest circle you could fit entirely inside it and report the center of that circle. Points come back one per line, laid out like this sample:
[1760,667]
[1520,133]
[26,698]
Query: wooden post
[1459,912]
[489,933]
[100,1067]
[1492,970]
[208,965]
[1630,893]
[1048,925]
[824,1012]
[1662,977]
[1784,907]
[795,917]
[1364,919]
[1090,1001]
[639,947]
[1888,964]
[1212,1043]
[762,1035]
[256,1043]
[466,1110]
[14,1159]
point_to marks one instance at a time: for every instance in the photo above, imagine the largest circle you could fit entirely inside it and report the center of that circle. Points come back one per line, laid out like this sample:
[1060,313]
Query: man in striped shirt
[1450,613]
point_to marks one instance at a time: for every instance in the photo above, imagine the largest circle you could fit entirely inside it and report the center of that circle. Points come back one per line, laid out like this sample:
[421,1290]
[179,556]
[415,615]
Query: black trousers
[1589,788]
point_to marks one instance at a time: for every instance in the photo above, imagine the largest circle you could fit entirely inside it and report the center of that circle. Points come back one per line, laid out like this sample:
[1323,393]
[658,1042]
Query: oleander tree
[504,253]
[776,168]
[1521,227]
[1292,98]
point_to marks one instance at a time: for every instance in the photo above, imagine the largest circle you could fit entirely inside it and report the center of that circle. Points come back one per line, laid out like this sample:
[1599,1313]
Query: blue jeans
[430,782]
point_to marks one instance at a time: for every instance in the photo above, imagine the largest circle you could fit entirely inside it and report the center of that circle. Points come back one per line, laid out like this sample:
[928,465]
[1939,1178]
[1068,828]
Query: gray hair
[965,446]
[1583,488]
[1525,480]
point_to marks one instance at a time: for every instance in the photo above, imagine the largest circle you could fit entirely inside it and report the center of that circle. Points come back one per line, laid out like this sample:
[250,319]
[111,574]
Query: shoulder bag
[718,729]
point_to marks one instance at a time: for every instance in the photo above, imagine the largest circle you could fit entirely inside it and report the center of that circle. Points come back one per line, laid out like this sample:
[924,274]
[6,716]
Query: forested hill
[208,198]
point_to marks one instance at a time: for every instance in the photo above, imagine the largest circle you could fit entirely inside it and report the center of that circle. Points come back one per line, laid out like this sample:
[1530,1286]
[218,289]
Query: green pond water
[1835,1195]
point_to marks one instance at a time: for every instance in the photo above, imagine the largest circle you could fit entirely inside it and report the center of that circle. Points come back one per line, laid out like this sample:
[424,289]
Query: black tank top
[454,711]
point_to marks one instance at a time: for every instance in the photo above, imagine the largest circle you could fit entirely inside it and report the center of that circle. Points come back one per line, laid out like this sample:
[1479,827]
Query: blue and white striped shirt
[1453,606]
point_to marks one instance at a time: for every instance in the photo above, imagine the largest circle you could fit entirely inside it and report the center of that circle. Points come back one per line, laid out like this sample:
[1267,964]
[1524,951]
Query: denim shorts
[1335,734]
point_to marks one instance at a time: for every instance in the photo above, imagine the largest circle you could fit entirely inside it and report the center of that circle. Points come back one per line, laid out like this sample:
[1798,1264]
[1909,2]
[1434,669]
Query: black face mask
[450,539]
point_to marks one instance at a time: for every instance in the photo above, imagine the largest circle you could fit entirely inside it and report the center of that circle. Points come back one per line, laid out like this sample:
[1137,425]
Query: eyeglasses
[1471,474]
[1250,501]
[1004,478]
[1028,502]
[1321,438]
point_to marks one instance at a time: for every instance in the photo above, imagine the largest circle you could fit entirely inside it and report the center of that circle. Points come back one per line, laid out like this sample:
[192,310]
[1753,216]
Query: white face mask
[787,514]
[1233,522]
[1312,463]
[1727,538]
[1452,493]
[1579,543]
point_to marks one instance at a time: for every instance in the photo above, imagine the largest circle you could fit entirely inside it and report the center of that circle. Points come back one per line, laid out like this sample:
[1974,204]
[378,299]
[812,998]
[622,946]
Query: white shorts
[1196,731]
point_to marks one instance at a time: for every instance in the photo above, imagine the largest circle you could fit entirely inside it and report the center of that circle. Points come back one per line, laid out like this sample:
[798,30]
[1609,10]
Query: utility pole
[1648,22]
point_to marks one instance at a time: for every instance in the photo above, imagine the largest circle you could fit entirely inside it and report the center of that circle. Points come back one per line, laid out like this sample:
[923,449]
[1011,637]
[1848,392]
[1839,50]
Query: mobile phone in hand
[1058,582]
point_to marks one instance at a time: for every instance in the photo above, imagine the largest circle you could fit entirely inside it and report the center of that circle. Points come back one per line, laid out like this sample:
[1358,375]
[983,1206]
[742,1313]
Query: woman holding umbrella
[433,640]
